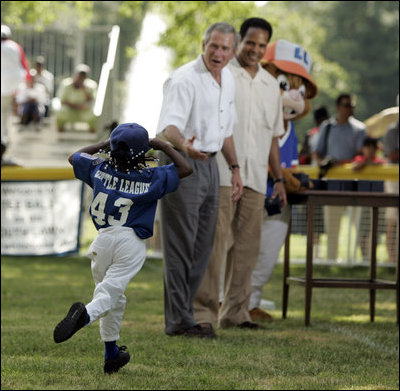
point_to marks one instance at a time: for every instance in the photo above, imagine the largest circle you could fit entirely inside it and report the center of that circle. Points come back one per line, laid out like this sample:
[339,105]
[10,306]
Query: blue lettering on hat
[305,57]
[302,57]
[297,53]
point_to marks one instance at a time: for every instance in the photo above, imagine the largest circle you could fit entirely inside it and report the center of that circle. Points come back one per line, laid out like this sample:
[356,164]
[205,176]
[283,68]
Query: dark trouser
[188,221]
[30,112]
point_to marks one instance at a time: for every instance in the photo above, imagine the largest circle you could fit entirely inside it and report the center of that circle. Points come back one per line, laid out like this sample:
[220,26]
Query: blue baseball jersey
[124,199]
[288,153]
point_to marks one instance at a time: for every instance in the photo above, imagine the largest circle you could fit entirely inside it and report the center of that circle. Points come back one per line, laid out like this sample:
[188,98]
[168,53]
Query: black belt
[209,154]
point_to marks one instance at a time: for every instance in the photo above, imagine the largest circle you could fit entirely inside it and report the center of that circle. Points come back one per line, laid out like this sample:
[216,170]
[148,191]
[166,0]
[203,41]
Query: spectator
[14,70]
[366,158]
[197,118]
[340,140]
[46,78]
[306,155]
[30,98]
[77,96]
[256,134]
[368,155]
[391,152]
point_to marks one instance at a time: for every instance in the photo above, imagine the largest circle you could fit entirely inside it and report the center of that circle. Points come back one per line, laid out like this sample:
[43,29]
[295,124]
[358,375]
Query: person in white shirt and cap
[14,70]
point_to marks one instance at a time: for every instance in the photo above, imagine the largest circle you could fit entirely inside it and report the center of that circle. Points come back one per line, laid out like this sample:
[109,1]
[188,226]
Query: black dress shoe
[208,328]
[199,332]
[250,325]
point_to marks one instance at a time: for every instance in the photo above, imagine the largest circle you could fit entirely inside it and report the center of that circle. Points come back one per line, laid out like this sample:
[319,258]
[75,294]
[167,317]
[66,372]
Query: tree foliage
[44,13]
[364,38]
[188,20]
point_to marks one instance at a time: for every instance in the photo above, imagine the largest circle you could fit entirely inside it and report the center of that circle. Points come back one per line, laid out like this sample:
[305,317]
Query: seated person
[46,78]
[77,95]
[30,99]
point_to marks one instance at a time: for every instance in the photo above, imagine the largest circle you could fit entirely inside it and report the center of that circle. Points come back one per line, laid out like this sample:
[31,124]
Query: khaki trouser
[236,242]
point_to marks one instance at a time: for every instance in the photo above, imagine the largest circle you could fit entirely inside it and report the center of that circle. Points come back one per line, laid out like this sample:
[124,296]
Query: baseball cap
[82,68]
[5,31]
[292,58]
[40,60]
[133,135]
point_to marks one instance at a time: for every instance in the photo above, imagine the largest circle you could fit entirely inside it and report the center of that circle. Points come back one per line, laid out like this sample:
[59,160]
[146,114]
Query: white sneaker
[267,305]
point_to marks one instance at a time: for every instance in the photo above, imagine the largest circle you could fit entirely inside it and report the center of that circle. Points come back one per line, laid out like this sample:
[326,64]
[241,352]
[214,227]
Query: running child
[125,194]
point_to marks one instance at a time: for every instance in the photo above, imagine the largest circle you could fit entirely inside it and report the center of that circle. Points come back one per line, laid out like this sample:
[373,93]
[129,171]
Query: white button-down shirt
[198,106]
[259,109]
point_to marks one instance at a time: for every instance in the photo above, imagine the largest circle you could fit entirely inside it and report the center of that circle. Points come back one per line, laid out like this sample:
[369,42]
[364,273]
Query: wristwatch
[276,180]
[233,166]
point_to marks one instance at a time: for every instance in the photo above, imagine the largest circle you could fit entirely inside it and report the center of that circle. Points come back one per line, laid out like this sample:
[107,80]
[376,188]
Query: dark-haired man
[340,140]
[237,240]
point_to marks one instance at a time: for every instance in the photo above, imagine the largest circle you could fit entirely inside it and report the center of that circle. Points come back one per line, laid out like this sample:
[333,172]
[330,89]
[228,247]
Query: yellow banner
[382,172]
[36,173]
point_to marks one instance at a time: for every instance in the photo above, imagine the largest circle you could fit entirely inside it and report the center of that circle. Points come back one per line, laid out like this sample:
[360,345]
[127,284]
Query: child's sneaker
[111,366]
[74,321]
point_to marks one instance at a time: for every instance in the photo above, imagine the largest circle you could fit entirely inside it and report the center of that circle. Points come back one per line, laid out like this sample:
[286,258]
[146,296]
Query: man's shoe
[208,328]
[200,332]
[73,322]
[250,325]
[259,314]
[112,366]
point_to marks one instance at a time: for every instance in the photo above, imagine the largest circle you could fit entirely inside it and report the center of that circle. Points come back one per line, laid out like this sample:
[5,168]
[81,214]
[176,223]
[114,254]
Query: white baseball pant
[117,255]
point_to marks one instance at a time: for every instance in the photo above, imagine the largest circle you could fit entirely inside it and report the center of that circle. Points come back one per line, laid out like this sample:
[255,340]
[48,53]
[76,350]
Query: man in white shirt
[197,118]
[237,241]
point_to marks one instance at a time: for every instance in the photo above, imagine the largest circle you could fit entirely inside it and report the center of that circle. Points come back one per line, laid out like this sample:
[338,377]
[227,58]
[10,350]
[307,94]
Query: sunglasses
[349,105]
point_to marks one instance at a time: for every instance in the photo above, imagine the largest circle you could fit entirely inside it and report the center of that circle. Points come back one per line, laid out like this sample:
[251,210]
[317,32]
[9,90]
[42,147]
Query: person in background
[391,152]
[307,154]
[197,118]
[46,78]
[340,140]
[125,194]
[77,95]
[30,98]
[367,158]
[258,103]
[14,70]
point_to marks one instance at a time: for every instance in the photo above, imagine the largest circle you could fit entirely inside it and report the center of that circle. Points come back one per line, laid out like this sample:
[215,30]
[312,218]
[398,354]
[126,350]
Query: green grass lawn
[340,350]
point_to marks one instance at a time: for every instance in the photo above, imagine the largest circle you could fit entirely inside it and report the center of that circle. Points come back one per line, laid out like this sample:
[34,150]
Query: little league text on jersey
[124,185]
